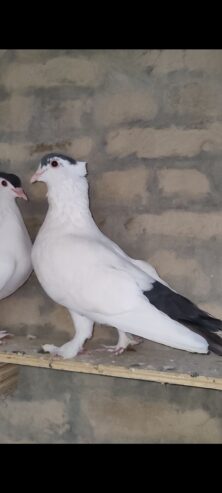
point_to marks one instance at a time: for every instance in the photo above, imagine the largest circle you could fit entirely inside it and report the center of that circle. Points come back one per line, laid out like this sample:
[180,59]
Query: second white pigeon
[15,243]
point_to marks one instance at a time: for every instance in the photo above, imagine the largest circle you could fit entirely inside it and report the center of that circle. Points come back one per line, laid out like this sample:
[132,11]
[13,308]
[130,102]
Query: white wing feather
[7,268]
[108,288]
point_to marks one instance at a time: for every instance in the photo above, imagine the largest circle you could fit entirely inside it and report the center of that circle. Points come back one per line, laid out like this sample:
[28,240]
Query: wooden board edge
[113,371]
[9,385]
[7,371]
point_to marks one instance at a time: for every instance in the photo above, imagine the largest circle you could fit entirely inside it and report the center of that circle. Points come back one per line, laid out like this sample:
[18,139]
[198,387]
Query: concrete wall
[149,123]
[57,407]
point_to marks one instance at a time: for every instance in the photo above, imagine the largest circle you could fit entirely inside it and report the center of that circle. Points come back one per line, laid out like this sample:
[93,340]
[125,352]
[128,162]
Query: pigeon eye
[4,183]
[54,164]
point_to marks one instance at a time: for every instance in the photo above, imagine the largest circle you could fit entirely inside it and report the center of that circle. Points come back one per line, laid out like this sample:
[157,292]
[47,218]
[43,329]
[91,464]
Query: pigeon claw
[117,350]
[50,348]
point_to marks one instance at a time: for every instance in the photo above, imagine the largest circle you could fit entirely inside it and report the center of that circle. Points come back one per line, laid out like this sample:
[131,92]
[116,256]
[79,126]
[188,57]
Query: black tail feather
[213,339]
[215,348]
[184,311]
[208,322]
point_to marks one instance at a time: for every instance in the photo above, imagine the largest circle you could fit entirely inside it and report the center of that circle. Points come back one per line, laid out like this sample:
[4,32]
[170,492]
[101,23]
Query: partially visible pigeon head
[11,187]
[54,167]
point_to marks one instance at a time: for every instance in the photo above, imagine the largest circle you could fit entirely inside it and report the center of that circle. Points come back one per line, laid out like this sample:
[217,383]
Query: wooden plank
[147,361]
[7,370]
[114,371]
[9,385]
[8,378]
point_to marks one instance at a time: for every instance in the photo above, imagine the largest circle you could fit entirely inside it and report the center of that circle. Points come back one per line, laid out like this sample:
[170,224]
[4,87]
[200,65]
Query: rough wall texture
[58,407]
[149,123]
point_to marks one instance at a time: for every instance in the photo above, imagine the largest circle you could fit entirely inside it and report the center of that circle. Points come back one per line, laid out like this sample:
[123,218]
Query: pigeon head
[54,167]
[11,187]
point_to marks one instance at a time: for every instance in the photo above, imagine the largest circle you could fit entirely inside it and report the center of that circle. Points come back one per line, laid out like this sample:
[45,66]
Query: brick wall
[149,123]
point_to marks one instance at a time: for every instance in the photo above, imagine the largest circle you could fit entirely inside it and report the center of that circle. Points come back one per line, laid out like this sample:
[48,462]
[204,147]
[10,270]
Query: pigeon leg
[4,335]
[84,328]
[124,341]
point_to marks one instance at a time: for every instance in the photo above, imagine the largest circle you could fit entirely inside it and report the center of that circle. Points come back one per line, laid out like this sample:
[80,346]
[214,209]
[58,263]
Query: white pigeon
[15,243]
[83,270]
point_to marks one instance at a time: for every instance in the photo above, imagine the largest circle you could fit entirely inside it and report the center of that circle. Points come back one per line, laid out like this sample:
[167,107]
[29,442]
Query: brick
[36,56]
[189,182]
[16,113]
[154,143]
[57,71]
[72,112]
[2,53]
[120,187]
[177,223]
[14,152]
[159,61]
[55,315]
[3,94]
[207,60]
[169,61]
[80,148]
[179,271]
[197,98]
[166,61]
[125,106]
[145,58]
[13,318]
[37,191]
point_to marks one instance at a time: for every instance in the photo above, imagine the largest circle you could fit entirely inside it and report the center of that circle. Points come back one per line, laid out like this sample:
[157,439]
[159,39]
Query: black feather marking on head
[180,308]
[46,159]
[13,179]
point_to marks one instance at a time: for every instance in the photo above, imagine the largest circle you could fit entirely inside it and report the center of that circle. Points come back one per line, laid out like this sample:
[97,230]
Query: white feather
[15,247]
[80,268]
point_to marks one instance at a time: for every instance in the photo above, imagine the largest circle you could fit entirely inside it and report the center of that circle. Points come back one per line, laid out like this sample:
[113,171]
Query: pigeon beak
[36,176]
[19,192]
